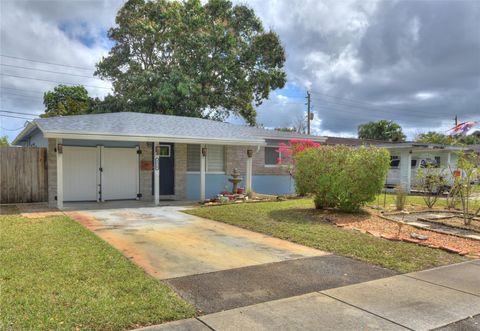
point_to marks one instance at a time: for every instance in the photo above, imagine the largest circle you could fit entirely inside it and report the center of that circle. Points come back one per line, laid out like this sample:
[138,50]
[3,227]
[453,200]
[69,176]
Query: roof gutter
[189,140]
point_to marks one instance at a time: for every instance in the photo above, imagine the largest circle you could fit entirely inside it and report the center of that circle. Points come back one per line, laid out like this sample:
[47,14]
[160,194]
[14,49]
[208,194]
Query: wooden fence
[23,174]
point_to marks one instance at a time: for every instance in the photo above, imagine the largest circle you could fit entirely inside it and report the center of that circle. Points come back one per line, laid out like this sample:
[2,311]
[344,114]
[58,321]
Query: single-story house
[114,156]
[406,158]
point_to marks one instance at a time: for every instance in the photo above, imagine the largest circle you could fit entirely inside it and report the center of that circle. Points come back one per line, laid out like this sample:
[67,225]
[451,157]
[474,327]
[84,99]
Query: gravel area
[391,230]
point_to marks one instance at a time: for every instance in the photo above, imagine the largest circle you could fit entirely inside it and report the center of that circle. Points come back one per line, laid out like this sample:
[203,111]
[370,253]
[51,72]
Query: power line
[368,104]
[23,95]
[384,110]
[12,116]
[54,81]
[22,90]
[7,129]
[16,112]
[51,63]
[49,71]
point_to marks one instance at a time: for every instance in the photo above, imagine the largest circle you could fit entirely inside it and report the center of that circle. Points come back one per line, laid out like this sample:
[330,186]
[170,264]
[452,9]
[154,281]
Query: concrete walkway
[446,298]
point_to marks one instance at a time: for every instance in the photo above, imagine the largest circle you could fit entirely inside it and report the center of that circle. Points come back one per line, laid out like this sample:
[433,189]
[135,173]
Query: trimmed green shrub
[341,177]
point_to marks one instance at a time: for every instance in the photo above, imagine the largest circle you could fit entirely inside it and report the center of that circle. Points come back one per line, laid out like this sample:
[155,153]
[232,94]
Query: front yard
[298,221]
[56,275]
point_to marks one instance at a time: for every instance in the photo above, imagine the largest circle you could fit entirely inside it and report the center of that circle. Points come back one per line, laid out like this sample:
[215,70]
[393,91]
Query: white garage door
[120,173]
[80,169]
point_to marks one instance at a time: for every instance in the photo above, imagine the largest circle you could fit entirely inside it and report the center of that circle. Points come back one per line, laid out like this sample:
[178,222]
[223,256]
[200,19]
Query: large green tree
[66,100]
[189,59]
[381,130]
[440,138]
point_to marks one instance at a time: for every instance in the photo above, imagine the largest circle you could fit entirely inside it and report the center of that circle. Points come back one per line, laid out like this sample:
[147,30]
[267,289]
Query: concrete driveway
[168,243]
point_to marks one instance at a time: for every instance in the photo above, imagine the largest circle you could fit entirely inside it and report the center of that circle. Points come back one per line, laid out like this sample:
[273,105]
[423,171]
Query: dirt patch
[391,230]
[87,221]
[8,210]
[37,210]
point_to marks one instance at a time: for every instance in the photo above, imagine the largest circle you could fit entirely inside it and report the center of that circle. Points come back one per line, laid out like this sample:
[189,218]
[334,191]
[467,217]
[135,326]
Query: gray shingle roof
[161,126]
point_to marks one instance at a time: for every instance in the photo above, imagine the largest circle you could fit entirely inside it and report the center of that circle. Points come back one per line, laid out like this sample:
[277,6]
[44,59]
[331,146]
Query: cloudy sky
[413,61]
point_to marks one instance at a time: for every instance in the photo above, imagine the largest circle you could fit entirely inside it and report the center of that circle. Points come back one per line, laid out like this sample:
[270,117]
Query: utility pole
[308,112]
[456,120]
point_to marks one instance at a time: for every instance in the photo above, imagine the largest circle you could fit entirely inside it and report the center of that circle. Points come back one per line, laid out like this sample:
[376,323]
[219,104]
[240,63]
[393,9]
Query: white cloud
[415,62]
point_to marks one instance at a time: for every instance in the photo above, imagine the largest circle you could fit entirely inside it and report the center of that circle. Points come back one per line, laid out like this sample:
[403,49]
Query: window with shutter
[193,157]
[215,158]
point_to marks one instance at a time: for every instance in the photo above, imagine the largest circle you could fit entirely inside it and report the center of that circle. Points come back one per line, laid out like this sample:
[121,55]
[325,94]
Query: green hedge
[341,177]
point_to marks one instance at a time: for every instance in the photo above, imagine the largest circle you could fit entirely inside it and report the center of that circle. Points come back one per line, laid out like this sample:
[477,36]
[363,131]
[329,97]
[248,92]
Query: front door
[167,169]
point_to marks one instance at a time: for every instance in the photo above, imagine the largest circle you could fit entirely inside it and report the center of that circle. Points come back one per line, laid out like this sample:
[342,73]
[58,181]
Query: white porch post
[59,173]
[248,179]
[99,172]
[203,161]
[406,169]
[156,177]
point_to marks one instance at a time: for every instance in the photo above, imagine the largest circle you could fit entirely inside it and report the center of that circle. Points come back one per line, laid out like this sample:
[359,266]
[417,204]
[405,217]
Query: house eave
[25,132]
[155,138]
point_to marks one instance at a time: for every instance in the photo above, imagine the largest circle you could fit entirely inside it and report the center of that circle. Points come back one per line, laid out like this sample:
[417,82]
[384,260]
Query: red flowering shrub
[294,146]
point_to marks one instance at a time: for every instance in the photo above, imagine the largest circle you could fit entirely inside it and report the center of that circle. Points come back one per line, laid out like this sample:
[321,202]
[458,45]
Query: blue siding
[215,183]
[37,139]
[276,185]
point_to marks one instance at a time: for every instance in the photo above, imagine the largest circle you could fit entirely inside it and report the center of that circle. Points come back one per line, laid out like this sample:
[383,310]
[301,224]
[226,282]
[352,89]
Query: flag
[462,128]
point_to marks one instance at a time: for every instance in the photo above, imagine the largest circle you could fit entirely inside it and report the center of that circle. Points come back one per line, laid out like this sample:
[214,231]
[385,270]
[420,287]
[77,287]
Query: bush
[432,182]
[341,177]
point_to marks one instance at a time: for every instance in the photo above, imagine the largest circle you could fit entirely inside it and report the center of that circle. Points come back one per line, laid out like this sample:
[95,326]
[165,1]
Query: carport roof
[154,127]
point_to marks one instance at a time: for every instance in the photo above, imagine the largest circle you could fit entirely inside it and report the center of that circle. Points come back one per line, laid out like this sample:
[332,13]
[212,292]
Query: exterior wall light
[60,148]
[157,150]
[204,151]
[249,152]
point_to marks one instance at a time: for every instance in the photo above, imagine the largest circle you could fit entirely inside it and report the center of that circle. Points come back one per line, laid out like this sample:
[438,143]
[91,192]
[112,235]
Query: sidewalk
[423,300]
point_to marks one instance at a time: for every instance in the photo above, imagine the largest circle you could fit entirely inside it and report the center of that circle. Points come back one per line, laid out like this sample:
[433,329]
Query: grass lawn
[298,221]
[56,275]
[416,200]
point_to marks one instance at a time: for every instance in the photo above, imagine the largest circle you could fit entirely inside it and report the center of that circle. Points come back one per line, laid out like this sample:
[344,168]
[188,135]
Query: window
[215,158]
[413,164]
[394,162]
[433,163]
[193,157]
[164,151]
[271,155]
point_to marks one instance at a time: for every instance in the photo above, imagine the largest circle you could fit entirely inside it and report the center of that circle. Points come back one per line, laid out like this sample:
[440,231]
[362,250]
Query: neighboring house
[406,158]
[352,141]
[126,155]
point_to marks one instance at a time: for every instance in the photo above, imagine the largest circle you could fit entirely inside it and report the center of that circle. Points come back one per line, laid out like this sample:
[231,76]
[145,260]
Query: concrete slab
[167,243]
[410,302]
[190,324]
[222,290]
[307,312]
[468,324]
[464,277]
